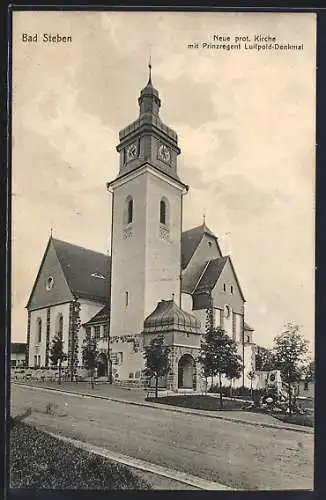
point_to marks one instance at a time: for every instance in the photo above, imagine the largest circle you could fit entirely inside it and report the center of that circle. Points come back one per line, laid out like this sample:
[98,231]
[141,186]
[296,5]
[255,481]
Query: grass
[307,419]
[39,461]
[198,402]
[201,402]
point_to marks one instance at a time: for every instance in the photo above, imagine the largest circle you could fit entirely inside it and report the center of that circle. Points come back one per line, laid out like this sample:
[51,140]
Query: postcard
[163,207]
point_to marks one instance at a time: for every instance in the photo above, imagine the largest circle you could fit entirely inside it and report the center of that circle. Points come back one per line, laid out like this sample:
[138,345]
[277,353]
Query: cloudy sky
[246,127]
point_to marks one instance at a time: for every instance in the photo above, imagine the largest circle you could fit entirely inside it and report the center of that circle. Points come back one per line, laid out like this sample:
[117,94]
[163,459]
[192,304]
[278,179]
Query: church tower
[146,218]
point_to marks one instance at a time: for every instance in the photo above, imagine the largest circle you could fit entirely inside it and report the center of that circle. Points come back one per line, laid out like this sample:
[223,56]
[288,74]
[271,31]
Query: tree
[264,359]
[290,348]
[90,355]
[218,356]
[57,356]
[156,360]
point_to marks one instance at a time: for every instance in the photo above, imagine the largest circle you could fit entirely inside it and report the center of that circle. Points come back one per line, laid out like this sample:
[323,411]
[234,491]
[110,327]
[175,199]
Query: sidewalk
[137,397]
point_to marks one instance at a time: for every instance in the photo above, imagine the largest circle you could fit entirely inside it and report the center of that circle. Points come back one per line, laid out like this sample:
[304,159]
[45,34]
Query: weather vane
[150,65]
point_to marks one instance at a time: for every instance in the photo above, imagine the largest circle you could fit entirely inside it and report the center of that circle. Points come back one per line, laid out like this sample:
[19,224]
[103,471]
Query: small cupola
[167,317]
[149,101]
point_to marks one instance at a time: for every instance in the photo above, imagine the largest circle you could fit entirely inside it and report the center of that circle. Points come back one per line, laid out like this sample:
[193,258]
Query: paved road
[238,455]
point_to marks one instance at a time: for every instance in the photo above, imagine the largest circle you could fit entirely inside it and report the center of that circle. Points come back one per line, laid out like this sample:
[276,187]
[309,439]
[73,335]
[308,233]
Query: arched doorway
[102,365]
[186,372]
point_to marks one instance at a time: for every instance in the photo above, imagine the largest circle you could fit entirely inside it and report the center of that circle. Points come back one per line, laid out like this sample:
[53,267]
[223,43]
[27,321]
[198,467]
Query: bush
[238,392]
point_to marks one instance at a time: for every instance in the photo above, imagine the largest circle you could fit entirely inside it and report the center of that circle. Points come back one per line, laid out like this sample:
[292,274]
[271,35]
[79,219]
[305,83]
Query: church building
[158,280]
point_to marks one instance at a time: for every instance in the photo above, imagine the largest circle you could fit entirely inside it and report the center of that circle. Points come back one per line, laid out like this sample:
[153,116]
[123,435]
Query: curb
[136,463]
[176,409]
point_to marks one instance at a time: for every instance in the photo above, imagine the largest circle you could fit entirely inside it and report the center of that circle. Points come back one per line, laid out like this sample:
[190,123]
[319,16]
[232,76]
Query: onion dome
[169,317]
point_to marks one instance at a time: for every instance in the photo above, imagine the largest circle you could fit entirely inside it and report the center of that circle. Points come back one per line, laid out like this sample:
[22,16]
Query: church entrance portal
[186,372]
[102,365]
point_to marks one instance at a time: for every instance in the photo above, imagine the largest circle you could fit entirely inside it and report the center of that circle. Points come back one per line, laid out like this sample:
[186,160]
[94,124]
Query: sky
[246,127]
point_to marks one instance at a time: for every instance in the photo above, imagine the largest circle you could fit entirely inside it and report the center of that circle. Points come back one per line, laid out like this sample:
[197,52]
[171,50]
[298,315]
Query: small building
[18,354]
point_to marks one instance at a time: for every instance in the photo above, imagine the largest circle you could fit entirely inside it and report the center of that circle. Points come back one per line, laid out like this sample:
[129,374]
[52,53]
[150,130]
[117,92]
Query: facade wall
[183,339]
[186,302]
[145,255]
[60,292]
[88,309]
[55,311]
[126,363]
[39,349]
[128,259]
[201,315]
[163,244]
[17,359]
[222,297]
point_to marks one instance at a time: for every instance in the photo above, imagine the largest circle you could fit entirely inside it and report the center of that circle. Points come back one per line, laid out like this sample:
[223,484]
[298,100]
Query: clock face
[164,153]
[132,152]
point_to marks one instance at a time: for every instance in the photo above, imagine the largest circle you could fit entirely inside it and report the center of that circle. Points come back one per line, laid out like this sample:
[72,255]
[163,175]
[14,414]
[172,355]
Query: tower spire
[150,70]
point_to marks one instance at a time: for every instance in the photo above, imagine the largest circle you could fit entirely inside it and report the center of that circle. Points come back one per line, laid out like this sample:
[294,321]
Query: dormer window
[98,275]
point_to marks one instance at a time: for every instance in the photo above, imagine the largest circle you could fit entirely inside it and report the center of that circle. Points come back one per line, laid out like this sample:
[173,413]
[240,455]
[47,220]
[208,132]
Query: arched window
[39,330]
[59,326]
[128,213]
[162,212]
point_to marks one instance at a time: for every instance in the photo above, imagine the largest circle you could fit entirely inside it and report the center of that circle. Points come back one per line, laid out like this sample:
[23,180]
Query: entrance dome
[167,317]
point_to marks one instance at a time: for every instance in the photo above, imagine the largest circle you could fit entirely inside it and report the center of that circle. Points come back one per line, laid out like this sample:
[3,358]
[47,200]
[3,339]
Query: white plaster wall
[144,265]
[88,309]
[54,311]
[163,256]
[18,357]
[186,302]
[39,313]
[128,260]
[201,316]
[228,324]
[132,361]
[238,323]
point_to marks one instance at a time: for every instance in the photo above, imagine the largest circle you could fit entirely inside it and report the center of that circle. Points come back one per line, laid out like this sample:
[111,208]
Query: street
[237,455]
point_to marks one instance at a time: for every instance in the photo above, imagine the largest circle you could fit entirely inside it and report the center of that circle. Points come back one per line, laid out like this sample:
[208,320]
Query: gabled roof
[101,317]
[18,348]
[212,274]
[190,240]
[87,272]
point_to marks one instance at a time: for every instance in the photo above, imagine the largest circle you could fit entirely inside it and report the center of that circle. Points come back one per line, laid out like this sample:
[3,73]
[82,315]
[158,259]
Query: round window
[49,283]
